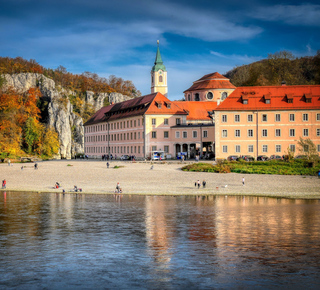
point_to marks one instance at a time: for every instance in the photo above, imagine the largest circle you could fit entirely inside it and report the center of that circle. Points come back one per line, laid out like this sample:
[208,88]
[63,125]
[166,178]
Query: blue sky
[120,37]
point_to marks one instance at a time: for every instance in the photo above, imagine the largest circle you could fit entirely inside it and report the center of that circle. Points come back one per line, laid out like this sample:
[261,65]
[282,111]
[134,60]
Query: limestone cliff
[60,114]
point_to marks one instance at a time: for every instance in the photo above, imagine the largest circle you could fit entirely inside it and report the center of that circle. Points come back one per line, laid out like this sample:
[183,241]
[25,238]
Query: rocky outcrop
[61,117]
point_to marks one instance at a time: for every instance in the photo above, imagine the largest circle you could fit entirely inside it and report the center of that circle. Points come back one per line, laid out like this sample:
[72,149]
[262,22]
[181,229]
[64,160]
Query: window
[318,148]
[318,117]
[135,123]
[138,135]
[264,133]
[237,148]
[292,147]
[224,95]
[268,101]
[166,134]
[139,124]
[224,133]
[305,132]
[305,117]
[237,118]
[264,118]
[209,96]
[177,134]
[205,134]
[178,121]
[278,148]
[250,118]
[292,133]
[166,121]
[237,133]
[278,132]
[224,118]
[194,134]
[225,149]
[278,118]
[250,148]
[291,117]
[245,101]
[306,148]
[318,132]
[154,134]
[166,149]
[250,133]
[154,148]
[153,121]
[265,148]
[184,134]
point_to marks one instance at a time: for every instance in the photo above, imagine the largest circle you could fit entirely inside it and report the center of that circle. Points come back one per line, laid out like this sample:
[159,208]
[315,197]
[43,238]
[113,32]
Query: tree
[308,148]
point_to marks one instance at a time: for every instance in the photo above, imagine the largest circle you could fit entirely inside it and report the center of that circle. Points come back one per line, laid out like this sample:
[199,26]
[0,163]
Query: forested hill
[278,67]
[78,83]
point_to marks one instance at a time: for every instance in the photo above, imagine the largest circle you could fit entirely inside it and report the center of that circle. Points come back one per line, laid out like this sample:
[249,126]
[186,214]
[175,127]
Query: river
[56,241]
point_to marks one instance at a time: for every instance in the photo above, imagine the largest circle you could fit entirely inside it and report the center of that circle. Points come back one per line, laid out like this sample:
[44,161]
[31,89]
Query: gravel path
[138,178]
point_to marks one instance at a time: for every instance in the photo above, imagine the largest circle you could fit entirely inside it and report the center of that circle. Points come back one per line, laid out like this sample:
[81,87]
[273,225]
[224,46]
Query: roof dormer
[267,98]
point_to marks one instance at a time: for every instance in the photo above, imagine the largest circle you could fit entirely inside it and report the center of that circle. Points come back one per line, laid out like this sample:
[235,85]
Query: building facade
[267,120]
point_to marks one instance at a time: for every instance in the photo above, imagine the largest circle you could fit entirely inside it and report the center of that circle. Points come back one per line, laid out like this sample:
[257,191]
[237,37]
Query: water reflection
[98,241]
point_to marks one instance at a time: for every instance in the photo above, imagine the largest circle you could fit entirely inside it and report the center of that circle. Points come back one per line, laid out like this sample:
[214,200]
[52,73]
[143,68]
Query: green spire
[158,63]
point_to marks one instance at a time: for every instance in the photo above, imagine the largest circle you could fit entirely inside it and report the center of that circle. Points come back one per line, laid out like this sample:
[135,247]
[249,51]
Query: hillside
[278,67]
[42,111]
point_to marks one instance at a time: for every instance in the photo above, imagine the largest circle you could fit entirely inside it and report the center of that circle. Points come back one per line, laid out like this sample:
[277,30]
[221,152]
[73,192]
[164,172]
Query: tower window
[209,96]
[160,79]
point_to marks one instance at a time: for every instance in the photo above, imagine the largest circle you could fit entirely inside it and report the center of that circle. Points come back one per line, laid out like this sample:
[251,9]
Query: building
[210,88]
[215,118]
[267,120]
[150,123]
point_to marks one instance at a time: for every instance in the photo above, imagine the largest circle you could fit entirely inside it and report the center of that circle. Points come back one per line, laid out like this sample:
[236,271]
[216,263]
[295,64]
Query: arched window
[224,96]
[189,97]
[196,97]
[209,96]
[160,79]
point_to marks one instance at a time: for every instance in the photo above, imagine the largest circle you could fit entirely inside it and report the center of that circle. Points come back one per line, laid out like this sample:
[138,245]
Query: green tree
[308,148]
[32,133]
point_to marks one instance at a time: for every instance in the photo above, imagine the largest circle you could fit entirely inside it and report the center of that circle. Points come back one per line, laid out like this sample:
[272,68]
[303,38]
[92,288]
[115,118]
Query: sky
[119,37]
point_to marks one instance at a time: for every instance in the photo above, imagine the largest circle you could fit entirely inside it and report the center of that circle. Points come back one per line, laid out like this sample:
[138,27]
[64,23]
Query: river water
[55,241]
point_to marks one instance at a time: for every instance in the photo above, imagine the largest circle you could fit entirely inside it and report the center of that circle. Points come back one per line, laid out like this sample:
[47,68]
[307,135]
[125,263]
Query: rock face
[61,117]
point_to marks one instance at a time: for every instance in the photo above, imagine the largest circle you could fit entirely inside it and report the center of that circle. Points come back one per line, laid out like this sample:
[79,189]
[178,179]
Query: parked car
[262,158]
[125,157]
[246,158]
[275,157]
[232,158]
[301,157]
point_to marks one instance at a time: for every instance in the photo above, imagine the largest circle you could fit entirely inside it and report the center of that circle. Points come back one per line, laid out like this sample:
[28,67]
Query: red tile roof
[197,110]
[256,98]
[162,105]
[211,81]
[150,104]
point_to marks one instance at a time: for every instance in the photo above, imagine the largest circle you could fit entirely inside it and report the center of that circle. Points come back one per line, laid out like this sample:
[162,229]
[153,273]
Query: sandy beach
[138,178]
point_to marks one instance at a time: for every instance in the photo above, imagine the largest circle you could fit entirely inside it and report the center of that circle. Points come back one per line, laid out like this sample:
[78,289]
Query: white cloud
[305,14]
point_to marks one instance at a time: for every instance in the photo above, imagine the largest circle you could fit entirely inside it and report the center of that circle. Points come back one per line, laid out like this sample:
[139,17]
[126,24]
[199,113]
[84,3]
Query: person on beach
[118,188]
[9,162]
[4,184]
[204,184]
[36,166]
[107,164]
[199,184]
[243,181]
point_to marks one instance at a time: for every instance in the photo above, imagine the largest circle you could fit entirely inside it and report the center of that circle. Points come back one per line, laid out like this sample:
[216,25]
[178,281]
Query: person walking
[204,183]
[199,184]
[243,181]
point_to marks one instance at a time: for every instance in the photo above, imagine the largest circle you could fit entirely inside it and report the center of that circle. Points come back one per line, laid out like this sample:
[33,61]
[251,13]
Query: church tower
[159,75]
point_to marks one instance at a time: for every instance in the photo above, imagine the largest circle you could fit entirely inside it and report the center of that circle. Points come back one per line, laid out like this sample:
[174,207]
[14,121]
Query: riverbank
[138,178]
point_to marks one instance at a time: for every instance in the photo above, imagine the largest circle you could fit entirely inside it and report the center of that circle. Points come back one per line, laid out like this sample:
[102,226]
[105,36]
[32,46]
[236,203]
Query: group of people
[107,157]
[198,184]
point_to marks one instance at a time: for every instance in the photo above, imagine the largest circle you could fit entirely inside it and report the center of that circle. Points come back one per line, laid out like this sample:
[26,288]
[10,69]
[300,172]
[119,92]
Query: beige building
[267,120]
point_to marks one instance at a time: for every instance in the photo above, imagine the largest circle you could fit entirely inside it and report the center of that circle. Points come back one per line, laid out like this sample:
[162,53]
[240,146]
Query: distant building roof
[197,110]
[155,103]
[211,81]
[272,98]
